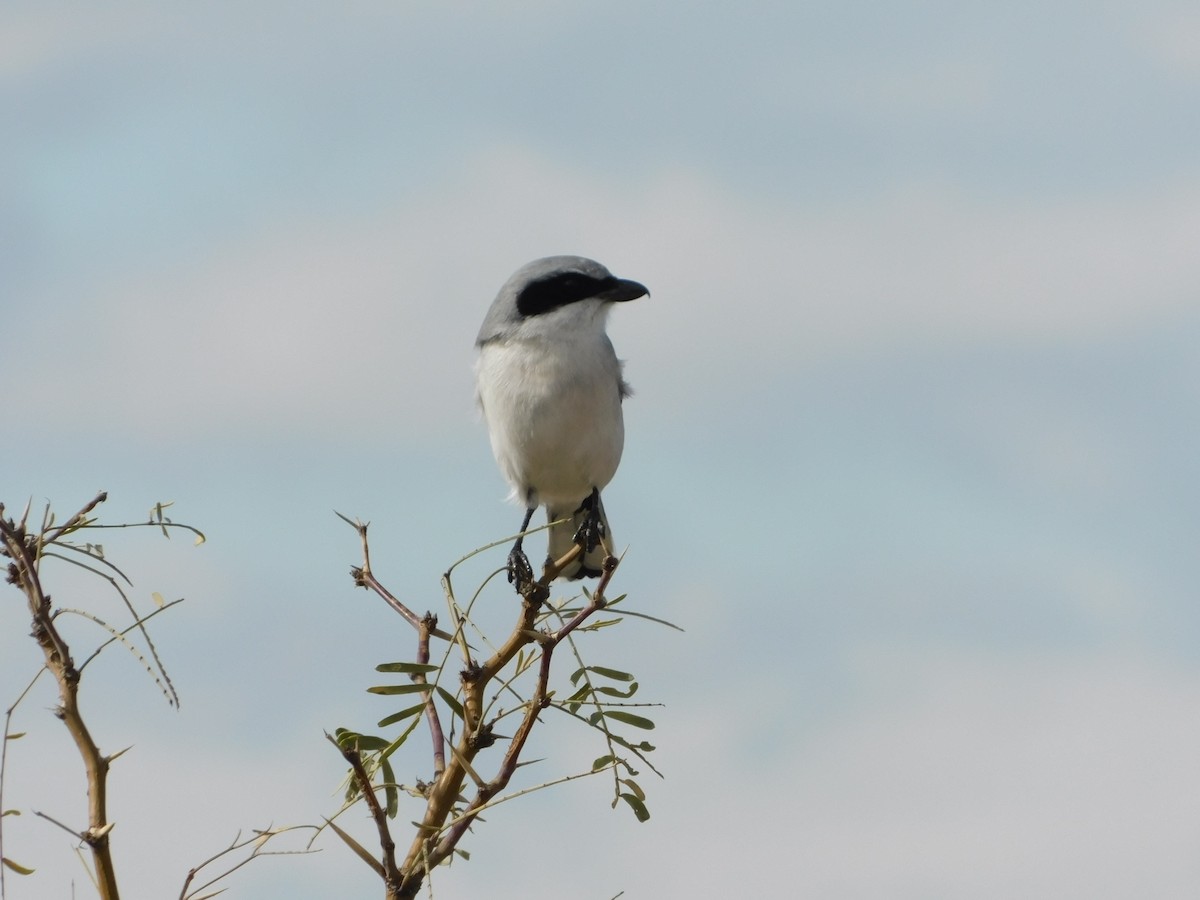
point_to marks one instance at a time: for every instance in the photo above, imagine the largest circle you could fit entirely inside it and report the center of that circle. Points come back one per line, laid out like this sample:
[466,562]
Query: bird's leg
[591,531]
[519,571]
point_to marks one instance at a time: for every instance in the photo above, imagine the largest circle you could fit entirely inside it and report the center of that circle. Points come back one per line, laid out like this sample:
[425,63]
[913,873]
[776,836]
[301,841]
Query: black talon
[520,573]
[591,531]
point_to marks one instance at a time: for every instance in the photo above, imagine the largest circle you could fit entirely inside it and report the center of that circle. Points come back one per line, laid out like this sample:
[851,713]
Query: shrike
[550,387]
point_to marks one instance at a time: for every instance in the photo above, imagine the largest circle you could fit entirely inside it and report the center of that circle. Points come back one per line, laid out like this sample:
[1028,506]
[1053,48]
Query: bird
[551,387]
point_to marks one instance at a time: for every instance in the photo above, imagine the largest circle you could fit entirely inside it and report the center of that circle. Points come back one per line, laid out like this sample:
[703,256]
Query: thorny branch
[25,551]
[438,835]
[28,549]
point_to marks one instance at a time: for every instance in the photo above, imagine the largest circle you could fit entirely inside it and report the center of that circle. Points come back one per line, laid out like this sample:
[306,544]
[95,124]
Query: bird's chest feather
[554,411]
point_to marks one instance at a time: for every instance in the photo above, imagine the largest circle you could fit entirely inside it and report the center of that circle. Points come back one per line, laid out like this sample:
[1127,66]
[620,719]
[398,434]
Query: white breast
[553,408]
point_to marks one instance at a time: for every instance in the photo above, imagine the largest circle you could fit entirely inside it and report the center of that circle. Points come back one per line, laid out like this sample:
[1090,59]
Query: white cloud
[327,320]
[958,777]
[1172,37]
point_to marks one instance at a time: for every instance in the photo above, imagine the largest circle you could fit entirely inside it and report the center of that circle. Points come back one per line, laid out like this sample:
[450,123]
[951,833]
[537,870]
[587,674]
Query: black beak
[622,290]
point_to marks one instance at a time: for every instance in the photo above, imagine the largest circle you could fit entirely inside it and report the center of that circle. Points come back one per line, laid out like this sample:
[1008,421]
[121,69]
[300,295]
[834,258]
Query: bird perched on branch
[550,387]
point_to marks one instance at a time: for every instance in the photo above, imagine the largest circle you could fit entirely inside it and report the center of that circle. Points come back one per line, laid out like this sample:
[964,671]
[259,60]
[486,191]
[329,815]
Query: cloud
[950,776]
[311,319]
[1172,38]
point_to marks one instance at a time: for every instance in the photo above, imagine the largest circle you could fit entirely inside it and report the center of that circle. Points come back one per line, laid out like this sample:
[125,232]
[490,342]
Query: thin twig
[391,874]
[428,624]
[260,840]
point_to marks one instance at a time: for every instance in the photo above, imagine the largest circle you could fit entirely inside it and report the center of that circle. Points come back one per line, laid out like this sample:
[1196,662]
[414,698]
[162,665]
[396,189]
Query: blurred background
[912,455]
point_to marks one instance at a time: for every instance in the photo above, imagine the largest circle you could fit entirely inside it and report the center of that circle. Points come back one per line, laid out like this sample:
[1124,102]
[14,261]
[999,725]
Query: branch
[441,827]
[428,624]
[364,577]
[260,840]
[538,702]
[423,855]
[391,874]
[24,551]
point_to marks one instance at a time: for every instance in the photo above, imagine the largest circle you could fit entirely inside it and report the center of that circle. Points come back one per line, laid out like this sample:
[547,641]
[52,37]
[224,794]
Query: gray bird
[550,387]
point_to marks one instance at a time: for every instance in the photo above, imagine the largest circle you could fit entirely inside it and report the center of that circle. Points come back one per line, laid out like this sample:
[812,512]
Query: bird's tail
[562,538]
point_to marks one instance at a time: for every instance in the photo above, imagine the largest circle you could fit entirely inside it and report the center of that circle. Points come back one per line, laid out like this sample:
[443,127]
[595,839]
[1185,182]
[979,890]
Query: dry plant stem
[428,624]
[426,850]
[423,855]
[539,701]
[364,577]
[24,551]
[391,875]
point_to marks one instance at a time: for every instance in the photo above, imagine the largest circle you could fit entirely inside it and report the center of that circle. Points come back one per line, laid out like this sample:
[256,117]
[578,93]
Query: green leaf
[389,789]
[597,624]
[16,867]
[579,694]
[399,688]
[369,742]
[15,736]
[345,738]
[10,812]
[644,746]
[603,762]
[358,849]
[401,716]
[614,674]
[629,719]
[638,807]
[576,699]
[617,692]
[409,668]
[451,701]
[634,788]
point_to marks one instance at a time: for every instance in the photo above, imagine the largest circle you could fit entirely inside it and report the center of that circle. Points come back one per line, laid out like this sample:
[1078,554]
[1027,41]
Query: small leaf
[638,807]
[16,867]
[409,668]
[576,699]
[10,812]
[614,674]
[603,762]
[15,736]
[399,688]
[597,624]
[617,692]
[634,788]
[389,789]
[644,746]
[370,742]
[158,599]
[400,716]
[358,848]
[579,694]
[451,701]
[629,719]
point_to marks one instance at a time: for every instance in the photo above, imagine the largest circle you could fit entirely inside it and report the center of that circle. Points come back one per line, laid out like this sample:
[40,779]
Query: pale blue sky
[912,455]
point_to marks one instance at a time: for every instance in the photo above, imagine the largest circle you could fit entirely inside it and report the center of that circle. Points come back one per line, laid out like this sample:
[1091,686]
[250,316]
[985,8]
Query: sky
[911,457]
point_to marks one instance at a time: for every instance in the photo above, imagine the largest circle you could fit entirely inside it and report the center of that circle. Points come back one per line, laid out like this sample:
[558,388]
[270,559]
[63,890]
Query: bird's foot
[520,573]
[591,531]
